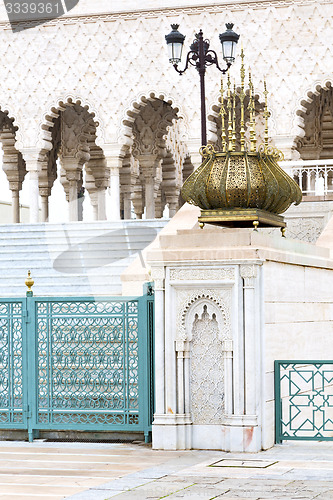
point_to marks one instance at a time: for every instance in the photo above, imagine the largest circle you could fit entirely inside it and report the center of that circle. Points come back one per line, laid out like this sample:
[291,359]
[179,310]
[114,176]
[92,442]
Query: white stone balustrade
[314,177]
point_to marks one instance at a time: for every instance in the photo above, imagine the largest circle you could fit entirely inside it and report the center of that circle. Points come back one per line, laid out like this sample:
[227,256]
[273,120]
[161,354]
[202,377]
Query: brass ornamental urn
[242,188]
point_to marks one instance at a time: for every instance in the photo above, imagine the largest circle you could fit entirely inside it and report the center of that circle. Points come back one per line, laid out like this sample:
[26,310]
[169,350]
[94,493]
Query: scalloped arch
[17,127]
[193,301]
[134,108]
[44,138]
[304,102]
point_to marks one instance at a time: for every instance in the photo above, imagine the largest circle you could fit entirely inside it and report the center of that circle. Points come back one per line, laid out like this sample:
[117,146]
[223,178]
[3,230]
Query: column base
[172,432]
[175,432]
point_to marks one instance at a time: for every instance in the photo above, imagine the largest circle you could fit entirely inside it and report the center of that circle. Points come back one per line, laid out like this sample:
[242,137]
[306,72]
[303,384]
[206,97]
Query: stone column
[34,205]
[101,203]
[14,168]
[16,205]
[115,192]
[251,346]
[72,171]
[114,159]
[127,202]
[150,196]
[147,164]
[94,203]
[33,166]
[147,169]
[158,275]
[138,200]
[73,179]
[45,193]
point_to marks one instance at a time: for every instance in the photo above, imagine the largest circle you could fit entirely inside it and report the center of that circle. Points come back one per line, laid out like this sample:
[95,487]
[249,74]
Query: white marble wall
[298,311]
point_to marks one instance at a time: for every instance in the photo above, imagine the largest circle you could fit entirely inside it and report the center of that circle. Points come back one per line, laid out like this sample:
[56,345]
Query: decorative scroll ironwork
[87,362]
[76,364]
[11,364]
[304,400]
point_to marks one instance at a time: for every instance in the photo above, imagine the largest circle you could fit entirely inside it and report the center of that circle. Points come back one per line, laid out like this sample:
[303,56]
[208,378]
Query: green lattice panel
[11,365]
[305,400]
[87,364]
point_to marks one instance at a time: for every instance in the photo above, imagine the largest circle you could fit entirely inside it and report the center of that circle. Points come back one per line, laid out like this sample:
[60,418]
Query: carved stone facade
[202,365]
[141,133]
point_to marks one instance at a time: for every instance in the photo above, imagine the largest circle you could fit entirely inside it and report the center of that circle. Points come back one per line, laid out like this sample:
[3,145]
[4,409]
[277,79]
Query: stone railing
[314,177]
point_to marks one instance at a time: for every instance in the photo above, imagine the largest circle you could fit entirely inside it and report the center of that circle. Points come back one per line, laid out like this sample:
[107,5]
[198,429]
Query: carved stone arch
[304,103]
[52,113]
[14,125]
[197,308]
[13,163]
[125,136]
[204,297]
[314,117]
[70,131]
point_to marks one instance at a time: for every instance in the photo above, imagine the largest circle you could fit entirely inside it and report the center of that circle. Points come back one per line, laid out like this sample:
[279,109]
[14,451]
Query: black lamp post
[201,56]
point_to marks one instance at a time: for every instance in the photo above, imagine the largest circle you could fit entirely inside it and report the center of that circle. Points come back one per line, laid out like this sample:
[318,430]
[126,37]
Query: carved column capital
[248,272]
[158,276]
[45,191]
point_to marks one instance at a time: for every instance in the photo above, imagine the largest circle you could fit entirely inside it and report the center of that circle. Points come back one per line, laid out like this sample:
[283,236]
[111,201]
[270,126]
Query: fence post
[278,403]
[31,359]
[146,321]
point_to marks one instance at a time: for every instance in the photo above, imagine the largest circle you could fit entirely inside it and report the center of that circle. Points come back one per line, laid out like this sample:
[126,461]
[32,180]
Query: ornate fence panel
[76,364]
[13,403]
[303,400]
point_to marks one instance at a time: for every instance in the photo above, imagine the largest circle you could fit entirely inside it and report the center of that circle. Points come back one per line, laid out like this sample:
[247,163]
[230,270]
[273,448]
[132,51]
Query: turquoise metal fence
[303,400]
[77,363]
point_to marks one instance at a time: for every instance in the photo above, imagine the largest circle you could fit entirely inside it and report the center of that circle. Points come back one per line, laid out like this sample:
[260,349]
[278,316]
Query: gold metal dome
[241,188]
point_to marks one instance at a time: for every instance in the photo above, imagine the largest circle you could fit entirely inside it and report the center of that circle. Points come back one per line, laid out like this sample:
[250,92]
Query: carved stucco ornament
[241,188]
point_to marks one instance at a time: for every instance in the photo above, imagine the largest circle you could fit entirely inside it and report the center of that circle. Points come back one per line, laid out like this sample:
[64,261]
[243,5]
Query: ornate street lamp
[201,56]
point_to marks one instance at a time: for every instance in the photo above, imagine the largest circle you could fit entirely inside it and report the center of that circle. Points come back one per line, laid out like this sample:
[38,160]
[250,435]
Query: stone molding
[151,13]
[220,273]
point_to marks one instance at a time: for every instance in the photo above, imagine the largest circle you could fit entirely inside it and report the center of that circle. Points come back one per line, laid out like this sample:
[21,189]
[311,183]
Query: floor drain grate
[249,464]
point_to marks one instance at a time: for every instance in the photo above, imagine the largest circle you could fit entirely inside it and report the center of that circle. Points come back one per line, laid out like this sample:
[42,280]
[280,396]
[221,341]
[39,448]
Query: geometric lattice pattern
[87,363]
[11,364]
[304,400]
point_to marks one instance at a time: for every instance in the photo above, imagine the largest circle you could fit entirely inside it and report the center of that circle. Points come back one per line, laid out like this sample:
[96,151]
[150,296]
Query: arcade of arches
[142,177]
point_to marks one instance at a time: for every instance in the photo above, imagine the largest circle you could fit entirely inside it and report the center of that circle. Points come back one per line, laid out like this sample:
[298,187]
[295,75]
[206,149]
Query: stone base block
[173,436]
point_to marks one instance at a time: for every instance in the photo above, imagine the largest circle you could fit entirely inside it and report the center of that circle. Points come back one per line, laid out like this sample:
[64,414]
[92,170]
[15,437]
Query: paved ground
[54,471]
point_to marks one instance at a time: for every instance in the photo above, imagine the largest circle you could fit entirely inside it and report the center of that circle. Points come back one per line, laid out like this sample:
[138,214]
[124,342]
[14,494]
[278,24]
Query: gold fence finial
[266,115]
[251,107]
[29,282]
[234,119]
[222,114]
[241,98]
[229,107]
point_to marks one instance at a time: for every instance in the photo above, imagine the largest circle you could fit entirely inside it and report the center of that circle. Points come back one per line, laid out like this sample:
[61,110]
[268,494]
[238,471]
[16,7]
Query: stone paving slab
[92,471]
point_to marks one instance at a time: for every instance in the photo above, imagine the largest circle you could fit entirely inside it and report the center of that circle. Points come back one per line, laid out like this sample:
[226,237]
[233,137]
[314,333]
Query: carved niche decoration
[206,366]
[203,334]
